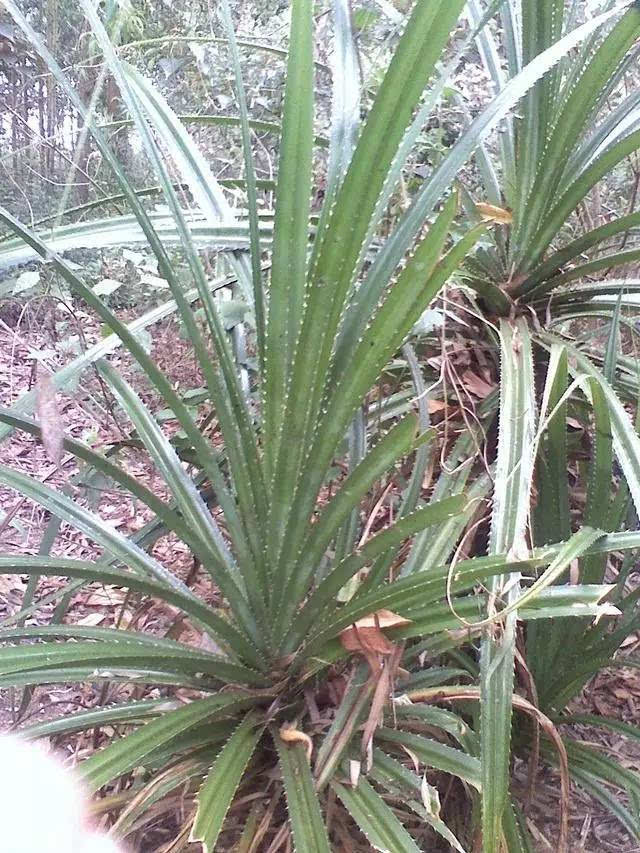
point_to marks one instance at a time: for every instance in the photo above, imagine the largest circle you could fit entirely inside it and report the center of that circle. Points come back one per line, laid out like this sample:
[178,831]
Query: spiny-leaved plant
[538,271]
[311,717]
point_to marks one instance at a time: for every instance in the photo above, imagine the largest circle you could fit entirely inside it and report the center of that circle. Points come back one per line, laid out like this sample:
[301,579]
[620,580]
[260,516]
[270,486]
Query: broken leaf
[493,213]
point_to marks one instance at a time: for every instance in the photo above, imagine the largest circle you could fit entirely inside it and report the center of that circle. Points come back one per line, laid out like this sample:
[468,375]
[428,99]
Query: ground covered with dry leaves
[31,342]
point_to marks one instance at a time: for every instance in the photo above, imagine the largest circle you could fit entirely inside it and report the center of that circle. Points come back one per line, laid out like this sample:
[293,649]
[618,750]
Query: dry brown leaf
[366,635]
[476,385]
[49,416]
[91,620]
[493,213]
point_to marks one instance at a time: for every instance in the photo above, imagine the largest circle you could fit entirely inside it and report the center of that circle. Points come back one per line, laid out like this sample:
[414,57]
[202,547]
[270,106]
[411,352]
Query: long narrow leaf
[381,827]
[308,828]
[512,489]
[219,788]
[130,751]
[293,199]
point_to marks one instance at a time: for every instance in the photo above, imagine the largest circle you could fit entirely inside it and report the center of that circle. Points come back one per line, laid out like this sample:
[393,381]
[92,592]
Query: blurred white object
[42,805]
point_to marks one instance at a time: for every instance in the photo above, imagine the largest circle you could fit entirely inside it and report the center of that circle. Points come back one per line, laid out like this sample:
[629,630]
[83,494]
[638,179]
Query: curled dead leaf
[290,734]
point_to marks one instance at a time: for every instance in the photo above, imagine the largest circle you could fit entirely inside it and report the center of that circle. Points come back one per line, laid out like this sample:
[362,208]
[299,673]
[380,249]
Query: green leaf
[576,192]
[571,550]
[535,232]
[362,303]
[219,788]
[249,168]
[400,781]
[395,444]
[552,510]
[412,65]
[424,453]
[592,784]
[93,526]
[206,454]
[435,546]
[554,263]
[307,824]
[609,723]
[69,374]
[411,495]
[436,755]
[345,112]
[516,832]
[548,645]
[349,714]
[127,712]
[231,406]
[626,443]
[116,230]
[190,162]
[424,263]
[293,199]
[608,769]
[114,472]
[511,503]
[347,536]
[139,813]
[385,334]
[381,827]
[599,483]
[124,674]
[433,189]
[220,563]
[613,343]
[160,657]
[130,752]
[185,600]
[379,544]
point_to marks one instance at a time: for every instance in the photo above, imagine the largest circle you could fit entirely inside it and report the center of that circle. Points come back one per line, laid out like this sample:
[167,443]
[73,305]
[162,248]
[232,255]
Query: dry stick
[280,838]
[373,515]
[181,840]
[263,826]
[534,758]
[9,516]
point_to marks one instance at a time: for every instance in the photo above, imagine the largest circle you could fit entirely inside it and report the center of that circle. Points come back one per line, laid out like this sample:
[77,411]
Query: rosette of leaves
[312,681]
